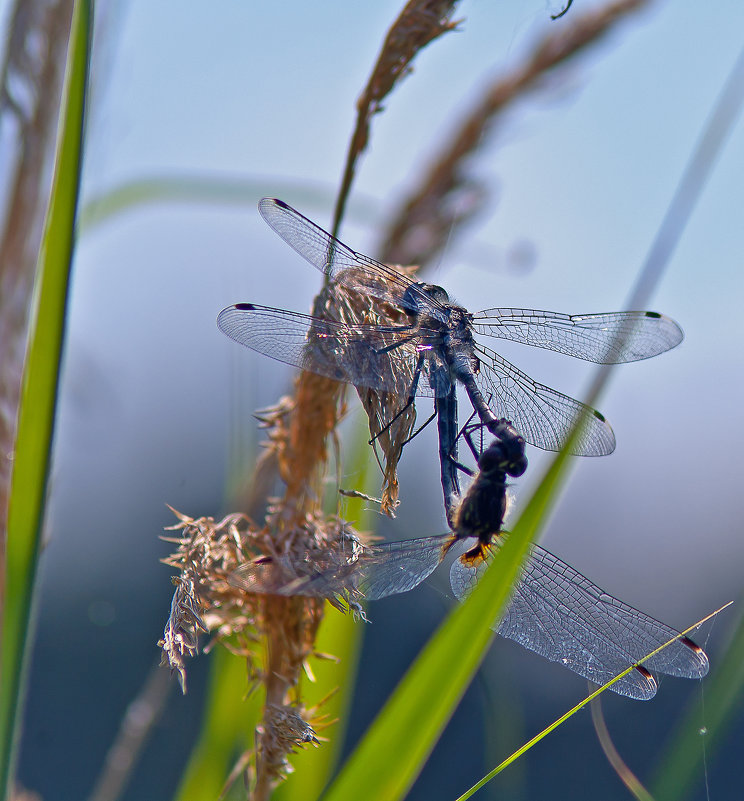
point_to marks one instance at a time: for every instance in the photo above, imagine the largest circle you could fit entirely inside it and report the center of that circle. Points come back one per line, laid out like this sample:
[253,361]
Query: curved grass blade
[618,764]
[406,730]
[39,390]
[206,188]
[563,718]
[225,730]
[681,763]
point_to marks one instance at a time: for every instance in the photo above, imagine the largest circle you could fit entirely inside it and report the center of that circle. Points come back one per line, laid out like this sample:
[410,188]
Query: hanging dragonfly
[436,349]
[554,610]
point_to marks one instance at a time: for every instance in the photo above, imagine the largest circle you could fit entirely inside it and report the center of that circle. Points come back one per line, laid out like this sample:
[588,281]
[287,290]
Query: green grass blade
[681,765]
[407,728]
[226,730]
[571,712]
[39,390]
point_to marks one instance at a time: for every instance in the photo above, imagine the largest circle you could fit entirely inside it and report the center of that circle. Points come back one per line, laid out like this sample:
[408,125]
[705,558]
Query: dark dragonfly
[554,610]
[436,349]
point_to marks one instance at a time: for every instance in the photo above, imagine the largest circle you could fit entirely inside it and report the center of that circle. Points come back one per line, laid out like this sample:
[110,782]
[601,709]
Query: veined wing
[543,416]
[609,338]
[380,570]
[561,615]
[395,567]
[374,356]
[324,574]
[338,261]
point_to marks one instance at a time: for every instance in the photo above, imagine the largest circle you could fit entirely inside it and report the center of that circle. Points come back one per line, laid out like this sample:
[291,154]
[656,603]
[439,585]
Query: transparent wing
[609,338]
[338,261]
[561,615]
[543,416]
[381,570]
[396,567]
[378,357]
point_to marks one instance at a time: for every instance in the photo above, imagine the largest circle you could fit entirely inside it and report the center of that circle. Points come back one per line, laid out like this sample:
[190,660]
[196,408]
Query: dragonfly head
[506,453]
[492,460]
[414,304]
[435,292]
[503,456]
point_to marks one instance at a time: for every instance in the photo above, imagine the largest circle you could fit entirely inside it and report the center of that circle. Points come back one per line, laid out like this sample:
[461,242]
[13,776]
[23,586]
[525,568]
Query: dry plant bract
[391,416]
[228,569]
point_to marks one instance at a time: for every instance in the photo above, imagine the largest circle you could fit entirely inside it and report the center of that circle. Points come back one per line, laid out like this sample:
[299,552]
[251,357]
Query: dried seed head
[284,730]
[180,637]
[236,580]
[391,416]
[230,581]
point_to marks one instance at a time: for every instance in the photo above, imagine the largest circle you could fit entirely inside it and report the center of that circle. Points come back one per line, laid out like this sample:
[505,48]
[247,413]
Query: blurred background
[202,109]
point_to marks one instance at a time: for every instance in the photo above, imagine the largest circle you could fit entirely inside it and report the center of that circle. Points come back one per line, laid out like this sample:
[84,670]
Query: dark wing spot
[691,645]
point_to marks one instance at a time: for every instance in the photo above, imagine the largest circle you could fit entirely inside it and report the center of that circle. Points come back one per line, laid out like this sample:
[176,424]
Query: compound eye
[489,460]
[438,293]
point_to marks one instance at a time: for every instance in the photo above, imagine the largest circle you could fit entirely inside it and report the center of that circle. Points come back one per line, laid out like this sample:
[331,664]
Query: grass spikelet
[418,24]
[448,197]
[391,420]
[274,633]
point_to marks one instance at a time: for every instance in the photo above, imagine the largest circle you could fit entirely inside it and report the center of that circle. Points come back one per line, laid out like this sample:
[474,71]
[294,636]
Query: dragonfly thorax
[459,343]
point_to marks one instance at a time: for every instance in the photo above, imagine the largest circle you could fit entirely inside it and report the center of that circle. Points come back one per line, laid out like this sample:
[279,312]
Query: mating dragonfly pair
[555,611]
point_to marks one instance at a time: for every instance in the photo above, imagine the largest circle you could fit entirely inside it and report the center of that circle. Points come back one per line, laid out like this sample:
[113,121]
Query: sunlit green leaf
[408,727]
[39,389]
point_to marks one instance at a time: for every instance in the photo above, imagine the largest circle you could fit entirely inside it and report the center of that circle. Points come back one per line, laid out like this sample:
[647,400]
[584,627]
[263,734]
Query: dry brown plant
[275,632]
[418,24]
[447,197]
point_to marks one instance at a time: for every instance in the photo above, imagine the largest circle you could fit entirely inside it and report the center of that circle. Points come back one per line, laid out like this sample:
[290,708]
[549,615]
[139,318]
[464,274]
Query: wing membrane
[561,615]
[395,567]
[609,338]
[338,261]
[381,570]
[374,356]
[543,416]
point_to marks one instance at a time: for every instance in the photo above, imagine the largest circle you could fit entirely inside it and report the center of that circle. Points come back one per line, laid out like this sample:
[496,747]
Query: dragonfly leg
[511,440]
[446,411]
[411,395]
[419,429]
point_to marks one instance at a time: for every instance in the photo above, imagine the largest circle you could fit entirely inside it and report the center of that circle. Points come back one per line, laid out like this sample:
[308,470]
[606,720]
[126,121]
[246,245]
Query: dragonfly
[436,348]
[554,611]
